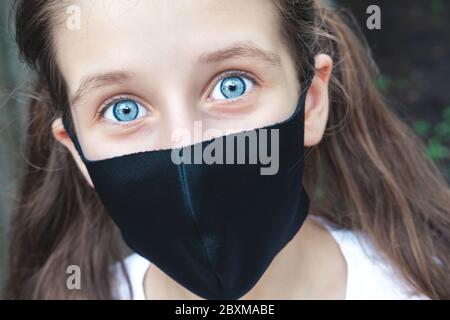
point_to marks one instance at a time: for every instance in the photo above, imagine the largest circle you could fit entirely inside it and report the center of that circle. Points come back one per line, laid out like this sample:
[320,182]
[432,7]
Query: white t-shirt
[369,277]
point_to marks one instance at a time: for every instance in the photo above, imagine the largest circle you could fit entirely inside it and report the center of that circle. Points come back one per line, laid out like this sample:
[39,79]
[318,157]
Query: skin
[159,43]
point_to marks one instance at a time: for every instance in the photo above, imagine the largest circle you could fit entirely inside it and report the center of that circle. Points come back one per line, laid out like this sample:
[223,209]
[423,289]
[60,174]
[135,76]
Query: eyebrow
[240,49]
[99,80]
[236,50]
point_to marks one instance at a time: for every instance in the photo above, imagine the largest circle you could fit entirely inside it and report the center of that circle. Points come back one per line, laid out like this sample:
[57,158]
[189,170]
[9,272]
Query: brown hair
[372,172]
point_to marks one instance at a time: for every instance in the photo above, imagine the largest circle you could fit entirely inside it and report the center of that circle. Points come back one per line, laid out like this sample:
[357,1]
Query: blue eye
[124,111]
[232,88]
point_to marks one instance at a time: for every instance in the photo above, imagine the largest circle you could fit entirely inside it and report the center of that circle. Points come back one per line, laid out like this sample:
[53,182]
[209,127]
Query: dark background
[412,50]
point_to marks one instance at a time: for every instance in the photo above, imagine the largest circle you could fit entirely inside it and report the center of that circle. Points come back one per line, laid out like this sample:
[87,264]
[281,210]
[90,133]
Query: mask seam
[187,196]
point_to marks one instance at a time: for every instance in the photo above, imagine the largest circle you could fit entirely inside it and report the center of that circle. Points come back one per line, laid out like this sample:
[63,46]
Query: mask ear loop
[301,103]
[307,80]
[304,93]
[306,87]
[67,123]
[309,74]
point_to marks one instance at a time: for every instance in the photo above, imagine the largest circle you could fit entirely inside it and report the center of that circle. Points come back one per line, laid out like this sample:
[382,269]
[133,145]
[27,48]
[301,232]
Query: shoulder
[136,266]
[369,275]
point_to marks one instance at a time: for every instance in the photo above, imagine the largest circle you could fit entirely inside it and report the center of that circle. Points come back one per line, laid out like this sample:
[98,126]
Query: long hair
[58,219]
[372,172]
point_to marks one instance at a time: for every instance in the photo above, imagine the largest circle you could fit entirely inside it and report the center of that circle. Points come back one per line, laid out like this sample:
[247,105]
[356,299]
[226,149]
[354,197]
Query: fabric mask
[213,228]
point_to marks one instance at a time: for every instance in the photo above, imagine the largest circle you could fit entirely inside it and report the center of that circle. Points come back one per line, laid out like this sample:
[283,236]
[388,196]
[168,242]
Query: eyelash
[217,80]
[111,102]
[231,73]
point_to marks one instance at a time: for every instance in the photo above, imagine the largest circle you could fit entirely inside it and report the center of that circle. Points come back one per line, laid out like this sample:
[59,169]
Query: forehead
[169,33]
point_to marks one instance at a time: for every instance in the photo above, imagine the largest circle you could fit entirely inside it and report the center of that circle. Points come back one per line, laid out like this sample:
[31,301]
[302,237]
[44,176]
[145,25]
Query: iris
[232,87]
[126,110]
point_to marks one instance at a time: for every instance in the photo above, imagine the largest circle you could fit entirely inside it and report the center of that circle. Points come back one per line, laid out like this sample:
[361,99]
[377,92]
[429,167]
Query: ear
[317,101]
[61,135]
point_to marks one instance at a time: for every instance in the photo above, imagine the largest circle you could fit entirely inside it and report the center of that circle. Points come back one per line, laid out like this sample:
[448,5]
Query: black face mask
[213,228]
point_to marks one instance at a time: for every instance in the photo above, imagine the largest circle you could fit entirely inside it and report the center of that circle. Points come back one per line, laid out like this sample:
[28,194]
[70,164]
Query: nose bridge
[178,116]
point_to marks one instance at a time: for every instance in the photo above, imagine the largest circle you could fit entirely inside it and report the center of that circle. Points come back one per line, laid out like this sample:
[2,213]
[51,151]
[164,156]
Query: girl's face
[138,72]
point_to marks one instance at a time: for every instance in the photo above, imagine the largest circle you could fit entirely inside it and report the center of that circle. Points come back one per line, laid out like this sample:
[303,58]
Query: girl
[132,73]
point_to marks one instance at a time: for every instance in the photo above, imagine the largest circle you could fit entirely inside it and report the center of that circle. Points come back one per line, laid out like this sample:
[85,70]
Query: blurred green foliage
[437,136]
[438,6]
